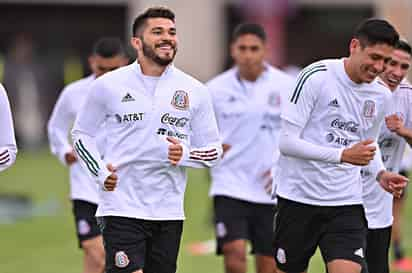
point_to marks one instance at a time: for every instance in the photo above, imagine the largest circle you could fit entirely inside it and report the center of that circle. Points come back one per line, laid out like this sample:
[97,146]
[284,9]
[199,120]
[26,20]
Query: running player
[392,141]
[377,202]
[108,54]
[8,147]
[158,121]
[247,100]
[329,128]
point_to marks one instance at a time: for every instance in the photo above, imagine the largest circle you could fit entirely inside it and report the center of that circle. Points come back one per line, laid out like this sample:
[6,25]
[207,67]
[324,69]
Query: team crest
[121,260]
[83,227]
[369,108]
[180,100]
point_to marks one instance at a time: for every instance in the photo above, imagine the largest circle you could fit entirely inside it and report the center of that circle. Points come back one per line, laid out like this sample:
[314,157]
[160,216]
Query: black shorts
[377,249]
[134,244]
[86,224]
[340,233]
[236,219]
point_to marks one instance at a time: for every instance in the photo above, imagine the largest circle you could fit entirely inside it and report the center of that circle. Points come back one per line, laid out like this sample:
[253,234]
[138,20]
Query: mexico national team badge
[121,259]
[369,108]
[180,100]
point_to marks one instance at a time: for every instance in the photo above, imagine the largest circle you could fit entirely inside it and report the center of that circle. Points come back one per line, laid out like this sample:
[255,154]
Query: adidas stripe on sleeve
[303,98]
[84,133]
[8,148]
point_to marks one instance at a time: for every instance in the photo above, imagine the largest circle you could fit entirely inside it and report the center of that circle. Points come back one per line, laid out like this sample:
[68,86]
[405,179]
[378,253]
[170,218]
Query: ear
[354,45]
[136,43]
[91,60]
[232,50]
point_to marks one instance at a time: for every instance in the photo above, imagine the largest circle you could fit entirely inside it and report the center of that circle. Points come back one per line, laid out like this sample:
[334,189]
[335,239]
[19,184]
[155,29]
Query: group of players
[325,147]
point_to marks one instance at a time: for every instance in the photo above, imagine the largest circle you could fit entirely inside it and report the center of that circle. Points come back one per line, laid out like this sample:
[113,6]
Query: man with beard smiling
[158,121]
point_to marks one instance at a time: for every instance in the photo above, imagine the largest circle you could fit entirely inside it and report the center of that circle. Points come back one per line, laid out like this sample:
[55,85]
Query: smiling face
[158,41]
[368,61]
[397,68]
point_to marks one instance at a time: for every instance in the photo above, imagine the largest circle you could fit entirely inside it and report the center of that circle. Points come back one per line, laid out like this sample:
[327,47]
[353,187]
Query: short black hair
[153,12]
[249,28]
[108,47]
[376,31]
[404,46]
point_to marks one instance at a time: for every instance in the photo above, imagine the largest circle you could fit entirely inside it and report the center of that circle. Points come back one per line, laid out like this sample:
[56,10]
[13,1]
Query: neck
[350,71]
[251,75]
[150,68]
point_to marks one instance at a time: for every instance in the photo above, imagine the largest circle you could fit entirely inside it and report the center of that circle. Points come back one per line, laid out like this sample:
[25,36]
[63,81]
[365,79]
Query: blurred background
[44,45]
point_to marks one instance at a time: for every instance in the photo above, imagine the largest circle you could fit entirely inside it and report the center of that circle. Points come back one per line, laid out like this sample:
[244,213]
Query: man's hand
[395,124]
[392,182]
[225,148]
[359,154]
[111,181]
[70,158]
[175,151]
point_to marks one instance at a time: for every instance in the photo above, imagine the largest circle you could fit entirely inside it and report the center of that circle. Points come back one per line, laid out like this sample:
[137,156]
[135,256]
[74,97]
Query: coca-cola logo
[174,121]
[349,126]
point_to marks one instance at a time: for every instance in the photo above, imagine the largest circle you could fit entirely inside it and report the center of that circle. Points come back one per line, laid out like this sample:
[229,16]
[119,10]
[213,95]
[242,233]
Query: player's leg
[377,248]
[297,231]
[343,242]
[124,243]
[163,246]
[232,232]
[261,236]
[89,236]
[94,256]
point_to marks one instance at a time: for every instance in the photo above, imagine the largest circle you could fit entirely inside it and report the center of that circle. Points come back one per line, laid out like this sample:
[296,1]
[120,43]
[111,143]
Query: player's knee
[235,255]
[95,254]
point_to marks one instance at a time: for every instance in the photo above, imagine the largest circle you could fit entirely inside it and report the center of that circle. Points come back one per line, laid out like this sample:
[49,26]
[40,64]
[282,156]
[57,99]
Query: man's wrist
[379,175]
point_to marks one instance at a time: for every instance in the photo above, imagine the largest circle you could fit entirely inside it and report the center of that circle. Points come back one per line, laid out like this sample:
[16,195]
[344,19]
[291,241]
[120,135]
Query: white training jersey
[68,105]
[248,116]
[378,202]
[8,147]
[137,124]
[334,112]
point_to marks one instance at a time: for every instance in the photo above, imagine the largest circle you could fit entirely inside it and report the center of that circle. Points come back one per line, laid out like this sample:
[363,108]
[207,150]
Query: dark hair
[248,28]
[153,12]
[108,47]
[376,31]
[404,46]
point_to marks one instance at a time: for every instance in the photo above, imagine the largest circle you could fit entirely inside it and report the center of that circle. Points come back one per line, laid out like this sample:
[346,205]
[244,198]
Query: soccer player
[108,54]
[8,147]
[158,121]
[247,100]
[392,140]
[329,128]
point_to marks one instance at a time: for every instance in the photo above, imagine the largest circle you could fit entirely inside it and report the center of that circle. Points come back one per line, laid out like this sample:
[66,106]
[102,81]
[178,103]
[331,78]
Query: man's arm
[206,149]
[84,132]
[8,147]
[396,124]
[58,129]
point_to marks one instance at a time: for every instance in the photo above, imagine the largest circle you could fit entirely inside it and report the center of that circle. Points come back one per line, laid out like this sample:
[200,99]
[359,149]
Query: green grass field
[47,244]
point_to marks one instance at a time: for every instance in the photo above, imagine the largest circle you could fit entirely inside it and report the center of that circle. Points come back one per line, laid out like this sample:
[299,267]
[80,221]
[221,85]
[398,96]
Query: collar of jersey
[169,69]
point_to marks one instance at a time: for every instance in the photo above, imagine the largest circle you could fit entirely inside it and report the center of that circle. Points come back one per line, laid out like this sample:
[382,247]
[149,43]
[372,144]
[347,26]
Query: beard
[151,54]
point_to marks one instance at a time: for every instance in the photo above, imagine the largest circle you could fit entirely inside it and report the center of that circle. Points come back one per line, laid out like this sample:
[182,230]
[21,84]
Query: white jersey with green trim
[334,112]
[137,123]
[82,185]
[248,116]
[377,202]
[8,147]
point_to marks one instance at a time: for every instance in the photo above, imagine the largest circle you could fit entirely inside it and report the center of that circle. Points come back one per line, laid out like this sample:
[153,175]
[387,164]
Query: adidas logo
[359,253]
[334,103]
[127,98]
